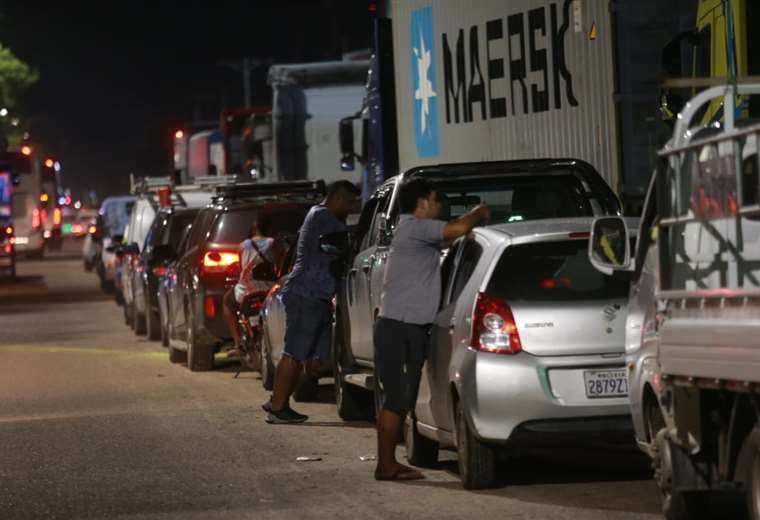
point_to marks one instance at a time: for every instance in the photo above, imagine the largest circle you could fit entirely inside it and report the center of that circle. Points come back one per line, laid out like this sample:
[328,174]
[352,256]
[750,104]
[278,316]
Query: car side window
[365,222]
[466,266]
[382,205]
[447,270]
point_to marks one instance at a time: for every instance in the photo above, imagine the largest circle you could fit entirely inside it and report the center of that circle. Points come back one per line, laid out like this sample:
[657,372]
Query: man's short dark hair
[411,192]
[265,224]
[342,188]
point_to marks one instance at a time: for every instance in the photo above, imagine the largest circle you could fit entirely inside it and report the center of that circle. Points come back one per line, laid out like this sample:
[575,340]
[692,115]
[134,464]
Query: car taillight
[36,218]
[210,307]
[219,261]
[493,327]
[8,248]
[159,271]
[57,217]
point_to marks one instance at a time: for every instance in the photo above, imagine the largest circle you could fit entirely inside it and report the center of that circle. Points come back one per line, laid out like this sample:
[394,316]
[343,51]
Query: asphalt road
[96,423]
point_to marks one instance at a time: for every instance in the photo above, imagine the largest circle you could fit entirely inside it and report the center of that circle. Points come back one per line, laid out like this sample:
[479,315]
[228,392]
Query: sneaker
[285,416]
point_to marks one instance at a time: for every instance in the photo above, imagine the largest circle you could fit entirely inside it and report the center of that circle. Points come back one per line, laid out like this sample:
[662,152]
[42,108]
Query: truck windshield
[552,271]
[516,198]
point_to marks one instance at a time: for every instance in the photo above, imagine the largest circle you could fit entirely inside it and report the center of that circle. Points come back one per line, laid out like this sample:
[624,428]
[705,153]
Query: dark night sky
[116,78]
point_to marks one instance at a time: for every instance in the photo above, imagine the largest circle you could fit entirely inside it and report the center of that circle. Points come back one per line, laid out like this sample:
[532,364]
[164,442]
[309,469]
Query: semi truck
[581,79]
[308,101]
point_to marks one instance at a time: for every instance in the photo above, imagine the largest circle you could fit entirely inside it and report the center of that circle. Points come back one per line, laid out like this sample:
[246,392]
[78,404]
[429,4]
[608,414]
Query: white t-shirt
[250,258]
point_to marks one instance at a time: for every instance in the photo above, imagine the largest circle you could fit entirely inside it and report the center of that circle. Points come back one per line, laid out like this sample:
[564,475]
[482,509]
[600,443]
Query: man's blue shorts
[308,323]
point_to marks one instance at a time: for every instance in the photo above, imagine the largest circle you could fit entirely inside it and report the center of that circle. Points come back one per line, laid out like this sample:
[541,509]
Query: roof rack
[213,180]
[147,184]
[254,189]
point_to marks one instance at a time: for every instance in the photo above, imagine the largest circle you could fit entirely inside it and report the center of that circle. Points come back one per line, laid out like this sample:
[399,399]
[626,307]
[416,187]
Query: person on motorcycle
[259,247]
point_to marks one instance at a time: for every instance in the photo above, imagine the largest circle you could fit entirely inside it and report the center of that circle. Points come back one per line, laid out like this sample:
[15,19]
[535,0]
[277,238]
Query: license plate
[605,383]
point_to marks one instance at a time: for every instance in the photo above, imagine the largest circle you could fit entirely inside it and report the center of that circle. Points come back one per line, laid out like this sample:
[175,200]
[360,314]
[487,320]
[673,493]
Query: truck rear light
[210,307]
[493,327]
[8,249]
[36,218]
[219,261]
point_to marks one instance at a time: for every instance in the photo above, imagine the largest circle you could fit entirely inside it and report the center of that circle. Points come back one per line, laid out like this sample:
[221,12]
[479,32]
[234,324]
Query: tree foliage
[15,77]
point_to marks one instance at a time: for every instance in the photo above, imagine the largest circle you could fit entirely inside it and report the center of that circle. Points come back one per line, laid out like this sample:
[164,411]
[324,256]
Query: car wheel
[177,356]
[677,478]
[164,319]
[127,314]
[352,402]
[420,451]
[477,459]
[140,326]
[152,320]
[200,357]
[267,367]
[307,389]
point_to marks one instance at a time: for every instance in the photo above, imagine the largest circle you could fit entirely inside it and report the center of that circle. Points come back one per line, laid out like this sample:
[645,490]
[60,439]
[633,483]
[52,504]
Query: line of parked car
[529,337]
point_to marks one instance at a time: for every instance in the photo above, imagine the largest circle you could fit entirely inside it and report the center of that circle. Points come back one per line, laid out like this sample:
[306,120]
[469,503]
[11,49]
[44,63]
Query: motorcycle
[249,328]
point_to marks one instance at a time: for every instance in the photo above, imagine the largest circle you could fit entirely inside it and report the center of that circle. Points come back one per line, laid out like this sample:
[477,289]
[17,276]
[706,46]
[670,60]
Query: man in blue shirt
[307,294]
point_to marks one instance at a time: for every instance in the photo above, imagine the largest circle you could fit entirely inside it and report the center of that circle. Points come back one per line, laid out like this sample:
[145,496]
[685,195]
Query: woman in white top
[259,247]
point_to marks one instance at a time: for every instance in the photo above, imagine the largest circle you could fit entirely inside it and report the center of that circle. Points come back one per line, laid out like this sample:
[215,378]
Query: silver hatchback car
[529,338]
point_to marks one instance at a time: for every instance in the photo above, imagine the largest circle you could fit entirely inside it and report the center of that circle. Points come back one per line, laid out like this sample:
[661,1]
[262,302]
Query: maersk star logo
[425,89]
[424,96]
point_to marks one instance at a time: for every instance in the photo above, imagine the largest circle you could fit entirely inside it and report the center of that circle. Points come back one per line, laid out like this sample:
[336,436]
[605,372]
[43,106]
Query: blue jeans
[307,327]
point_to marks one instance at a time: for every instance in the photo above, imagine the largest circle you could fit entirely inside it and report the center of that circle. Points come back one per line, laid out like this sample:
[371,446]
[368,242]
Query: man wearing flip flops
[410,298]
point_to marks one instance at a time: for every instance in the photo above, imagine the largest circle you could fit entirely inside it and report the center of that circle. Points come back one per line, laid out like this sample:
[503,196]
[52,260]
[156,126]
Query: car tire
[477,459]
[307,389]
[420,451]
[152,321]
[200,357]
[677,482]
[164,319]
[353,403]
[127,314]
[267,367]
[140,325]
[177,356]
[748,472]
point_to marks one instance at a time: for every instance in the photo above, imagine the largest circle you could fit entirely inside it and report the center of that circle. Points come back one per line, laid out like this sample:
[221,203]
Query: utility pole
[246,66]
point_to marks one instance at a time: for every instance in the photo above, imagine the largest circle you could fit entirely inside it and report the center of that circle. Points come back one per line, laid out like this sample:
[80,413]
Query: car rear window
[552,271]
[233,226]
[177,225]
[516,198]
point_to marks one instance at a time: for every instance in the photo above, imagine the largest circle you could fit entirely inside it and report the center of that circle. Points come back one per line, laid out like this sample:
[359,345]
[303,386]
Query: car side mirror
[334,244]
[346,136]
[163,254]
[610,246]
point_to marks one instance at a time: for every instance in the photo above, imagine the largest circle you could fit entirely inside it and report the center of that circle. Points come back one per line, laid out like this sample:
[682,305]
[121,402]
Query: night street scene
[380,259]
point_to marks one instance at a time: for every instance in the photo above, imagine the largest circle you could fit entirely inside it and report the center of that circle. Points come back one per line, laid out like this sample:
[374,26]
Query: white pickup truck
[704,320]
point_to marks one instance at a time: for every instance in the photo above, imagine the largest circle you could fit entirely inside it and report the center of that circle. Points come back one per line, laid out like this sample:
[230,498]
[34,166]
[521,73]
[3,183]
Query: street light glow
[48,163]
[57,166]
[3,112]
[26,150]
[179,134]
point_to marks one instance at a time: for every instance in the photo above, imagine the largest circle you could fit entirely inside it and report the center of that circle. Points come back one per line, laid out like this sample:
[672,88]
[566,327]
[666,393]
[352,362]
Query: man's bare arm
[464,224]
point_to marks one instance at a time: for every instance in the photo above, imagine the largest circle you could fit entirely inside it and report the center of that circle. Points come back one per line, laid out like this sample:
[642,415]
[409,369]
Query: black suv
[210,264]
